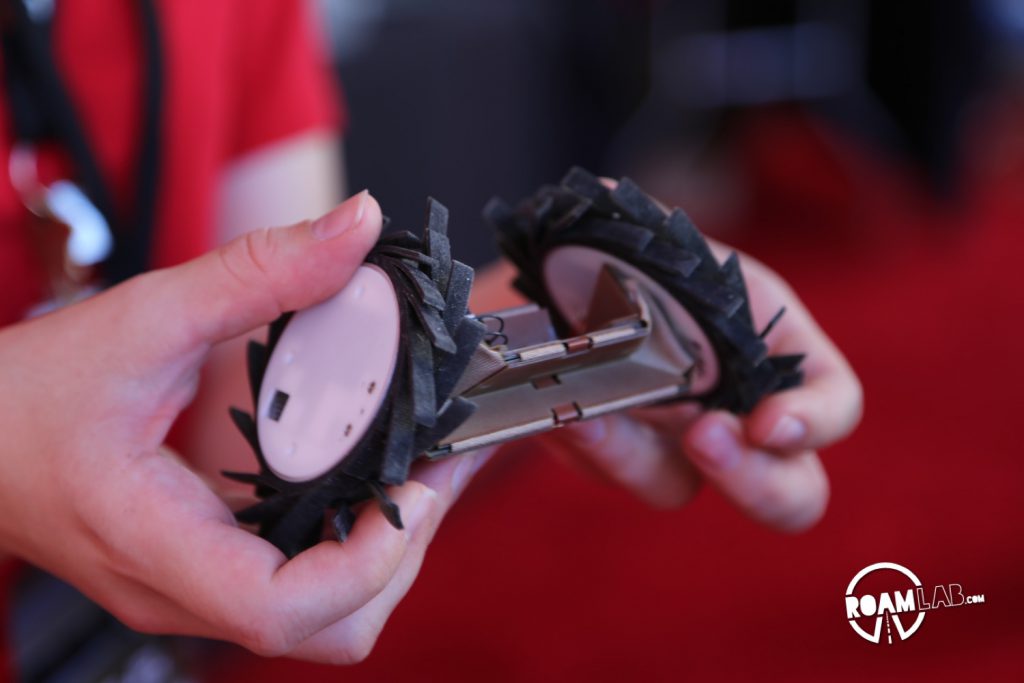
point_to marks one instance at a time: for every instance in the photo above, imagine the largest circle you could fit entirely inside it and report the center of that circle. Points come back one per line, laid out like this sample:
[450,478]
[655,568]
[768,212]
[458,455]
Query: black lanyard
[42,111]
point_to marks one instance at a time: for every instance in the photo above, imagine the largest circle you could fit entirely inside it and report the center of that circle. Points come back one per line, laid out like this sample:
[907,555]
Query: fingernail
[717,448]
[787,432]
[417,511]
[342,219]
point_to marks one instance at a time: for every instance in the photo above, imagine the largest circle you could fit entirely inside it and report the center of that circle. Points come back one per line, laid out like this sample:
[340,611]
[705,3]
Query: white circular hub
[328,376]
[571,274]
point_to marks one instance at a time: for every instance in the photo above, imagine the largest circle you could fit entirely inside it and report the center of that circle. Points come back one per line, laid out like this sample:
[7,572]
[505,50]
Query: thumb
[253,279]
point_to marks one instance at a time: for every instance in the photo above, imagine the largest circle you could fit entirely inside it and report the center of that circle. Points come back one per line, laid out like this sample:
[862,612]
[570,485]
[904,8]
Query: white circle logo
[892,607]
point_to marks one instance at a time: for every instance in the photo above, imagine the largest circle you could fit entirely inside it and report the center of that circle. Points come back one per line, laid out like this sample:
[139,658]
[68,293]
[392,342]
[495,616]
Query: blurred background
[871,152]
[467,99]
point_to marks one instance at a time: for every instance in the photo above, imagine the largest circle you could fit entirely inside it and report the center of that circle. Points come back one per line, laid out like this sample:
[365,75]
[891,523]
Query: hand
[765,463]
[87,396]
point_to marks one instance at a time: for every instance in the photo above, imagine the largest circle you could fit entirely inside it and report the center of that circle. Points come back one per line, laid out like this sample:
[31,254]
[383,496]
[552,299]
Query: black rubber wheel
[437,341]
[628,225]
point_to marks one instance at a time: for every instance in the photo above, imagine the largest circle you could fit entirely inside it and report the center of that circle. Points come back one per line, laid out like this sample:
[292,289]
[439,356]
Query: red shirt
[238,74]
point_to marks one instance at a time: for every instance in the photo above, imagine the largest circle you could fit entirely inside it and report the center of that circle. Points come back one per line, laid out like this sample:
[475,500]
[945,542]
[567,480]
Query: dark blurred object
[896,75]
[465,100]
[926,63]
[58,635]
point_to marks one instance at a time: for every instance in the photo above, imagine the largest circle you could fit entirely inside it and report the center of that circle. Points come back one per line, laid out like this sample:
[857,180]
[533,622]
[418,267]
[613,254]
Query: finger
[829,403]
[327,583]
[828,406]
[235,495]
[788,493]
[239,583]
[253,279]
[632,454]
[283,603]
[368,559]
[143,609]
[350,640]
[822,410]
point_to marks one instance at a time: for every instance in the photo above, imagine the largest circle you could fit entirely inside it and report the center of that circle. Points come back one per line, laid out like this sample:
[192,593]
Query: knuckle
[265,637]
[358,649]
[380,569]
[345,643]
[247,259]
[261,628]
[360,638]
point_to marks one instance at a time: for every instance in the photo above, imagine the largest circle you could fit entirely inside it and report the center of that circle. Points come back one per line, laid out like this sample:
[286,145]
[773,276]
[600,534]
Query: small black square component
[277,405]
